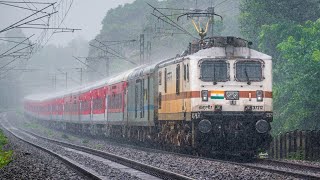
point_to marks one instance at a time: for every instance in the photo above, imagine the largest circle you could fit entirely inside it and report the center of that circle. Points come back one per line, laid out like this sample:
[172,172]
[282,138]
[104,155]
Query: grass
[31,125]
[298,155]
[5,156]
[65,136]
[85,141]
[99,146]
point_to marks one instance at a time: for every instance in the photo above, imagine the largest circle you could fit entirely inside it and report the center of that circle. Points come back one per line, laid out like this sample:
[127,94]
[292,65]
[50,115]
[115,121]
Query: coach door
[106,104]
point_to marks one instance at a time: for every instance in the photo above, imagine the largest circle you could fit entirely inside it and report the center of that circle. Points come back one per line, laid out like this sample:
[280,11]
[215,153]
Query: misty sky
[85,14]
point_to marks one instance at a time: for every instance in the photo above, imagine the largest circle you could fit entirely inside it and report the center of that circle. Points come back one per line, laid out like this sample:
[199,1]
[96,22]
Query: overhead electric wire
[12,41]
[22,7]
[6,55]
[9,63]
[20,2]
[68,77]
[177,25]
[17,26]
[94,70]
[16,45]
[26,17]
[67,12]
[63,29]
[112,50]
[6,73]
[119,56]
[170,24]
[221,3]
[36,10]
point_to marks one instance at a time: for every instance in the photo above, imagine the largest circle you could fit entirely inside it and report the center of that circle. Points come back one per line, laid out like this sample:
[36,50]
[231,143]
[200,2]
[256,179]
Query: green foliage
[257,13]
[292,38]
[5,156]
[297,96]
[3,139]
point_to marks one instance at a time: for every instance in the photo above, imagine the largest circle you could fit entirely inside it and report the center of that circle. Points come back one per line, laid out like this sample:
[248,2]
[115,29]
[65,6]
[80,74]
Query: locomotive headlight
[259,95]
[262,126]
[204,95]
[204,126]
[232,95]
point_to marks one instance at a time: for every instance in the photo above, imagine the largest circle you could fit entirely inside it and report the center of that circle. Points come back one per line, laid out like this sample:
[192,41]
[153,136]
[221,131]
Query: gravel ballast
[195,168]
[95,164]
[31,163]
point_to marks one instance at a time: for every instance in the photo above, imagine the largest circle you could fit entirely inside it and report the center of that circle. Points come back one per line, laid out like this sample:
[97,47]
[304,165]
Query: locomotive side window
[178,79]
[160,100]
[247,71]
[216,71]
[187,72]
[160,77]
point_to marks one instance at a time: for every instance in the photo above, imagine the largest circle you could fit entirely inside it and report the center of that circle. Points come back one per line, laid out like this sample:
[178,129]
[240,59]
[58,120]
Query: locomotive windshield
[215,71]
[247,71]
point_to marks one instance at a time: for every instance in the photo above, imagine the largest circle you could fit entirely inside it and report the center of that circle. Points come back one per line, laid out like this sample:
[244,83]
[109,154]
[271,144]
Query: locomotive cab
[234,111]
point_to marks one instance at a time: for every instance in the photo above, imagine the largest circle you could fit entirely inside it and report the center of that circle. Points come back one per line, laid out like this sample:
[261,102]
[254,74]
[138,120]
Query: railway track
[273,166]
[153,171]
[81,169]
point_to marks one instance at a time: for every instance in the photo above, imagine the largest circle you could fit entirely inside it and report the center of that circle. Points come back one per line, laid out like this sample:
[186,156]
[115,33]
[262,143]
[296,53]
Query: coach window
[136,101]
[142,98]
[178,79]
[165,80]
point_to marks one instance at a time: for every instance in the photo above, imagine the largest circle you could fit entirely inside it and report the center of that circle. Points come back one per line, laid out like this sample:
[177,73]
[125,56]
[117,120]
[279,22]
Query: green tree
[279,29]
[297,96]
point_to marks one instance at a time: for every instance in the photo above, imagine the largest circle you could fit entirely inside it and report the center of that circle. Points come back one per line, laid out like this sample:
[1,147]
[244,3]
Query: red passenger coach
[75,110]
[116,102]
[98,103]
[57,108]
[67,107]
[85,99]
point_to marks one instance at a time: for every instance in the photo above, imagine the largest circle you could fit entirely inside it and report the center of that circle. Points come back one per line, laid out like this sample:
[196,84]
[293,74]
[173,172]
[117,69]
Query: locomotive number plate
[195,115]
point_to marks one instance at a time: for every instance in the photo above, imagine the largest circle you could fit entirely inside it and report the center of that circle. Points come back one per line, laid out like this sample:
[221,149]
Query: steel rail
[67,161]
[154,171]
[258,164]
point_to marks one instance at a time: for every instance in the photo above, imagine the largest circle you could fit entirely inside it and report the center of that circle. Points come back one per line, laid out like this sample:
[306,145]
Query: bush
[5,156]
[85,141]
[64,136]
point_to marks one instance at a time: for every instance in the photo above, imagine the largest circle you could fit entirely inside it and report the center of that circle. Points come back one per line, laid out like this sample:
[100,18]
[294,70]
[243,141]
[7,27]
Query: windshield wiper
[248,79]
[214,75]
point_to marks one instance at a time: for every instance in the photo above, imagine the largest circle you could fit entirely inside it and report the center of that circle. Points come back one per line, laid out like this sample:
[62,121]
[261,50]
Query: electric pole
[66,80]
[149,51]
[141,48]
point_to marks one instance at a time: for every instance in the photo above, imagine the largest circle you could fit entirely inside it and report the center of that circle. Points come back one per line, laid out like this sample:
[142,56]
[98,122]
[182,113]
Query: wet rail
[81,169]
[269,165]
[154,171]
